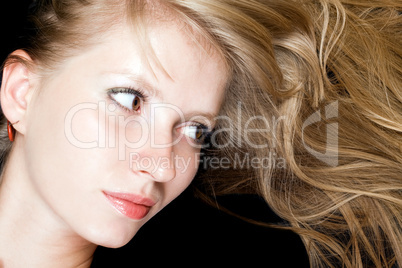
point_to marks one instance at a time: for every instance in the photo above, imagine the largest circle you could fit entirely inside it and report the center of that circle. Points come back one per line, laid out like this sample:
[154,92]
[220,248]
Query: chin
[112,236]
[115,243]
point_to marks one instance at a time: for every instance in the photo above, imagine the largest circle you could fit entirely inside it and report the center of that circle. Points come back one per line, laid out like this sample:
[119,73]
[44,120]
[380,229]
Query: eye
[197,132]
[129,99]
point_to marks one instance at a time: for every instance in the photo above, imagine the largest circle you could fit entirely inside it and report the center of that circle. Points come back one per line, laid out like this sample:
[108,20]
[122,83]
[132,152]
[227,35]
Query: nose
[157,159]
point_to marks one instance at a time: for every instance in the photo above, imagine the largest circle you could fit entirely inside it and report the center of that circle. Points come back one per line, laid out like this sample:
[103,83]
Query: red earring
[11,131]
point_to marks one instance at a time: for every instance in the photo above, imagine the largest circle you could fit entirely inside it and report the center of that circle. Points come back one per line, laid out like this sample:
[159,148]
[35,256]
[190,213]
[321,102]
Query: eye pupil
[199,133]
[136,103]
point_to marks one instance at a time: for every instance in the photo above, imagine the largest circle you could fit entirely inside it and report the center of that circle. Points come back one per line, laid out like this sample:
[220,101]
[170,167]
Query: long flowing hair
[322,81]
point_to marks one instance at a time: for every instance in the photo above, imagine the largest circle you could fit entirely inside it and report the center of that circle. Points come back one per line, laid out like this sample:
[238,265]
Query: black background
[187,232]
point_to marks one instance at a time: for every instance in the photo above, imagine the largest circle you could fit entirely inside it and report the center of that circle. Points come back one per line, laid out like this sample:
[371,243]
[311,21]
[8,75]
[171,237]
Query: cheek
[186,169]
[82,126]
[59,162]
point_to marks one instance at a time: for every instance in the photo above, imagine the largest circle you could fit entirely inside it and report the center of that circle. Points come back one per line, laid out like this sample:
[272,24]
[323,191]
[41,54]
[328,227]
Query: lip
[130,205]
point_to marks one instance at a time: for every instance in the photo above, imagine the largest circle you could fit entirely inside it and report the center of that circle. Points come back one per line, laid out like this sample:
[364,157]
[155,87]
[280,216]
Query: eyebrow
[210,117]
[154,92]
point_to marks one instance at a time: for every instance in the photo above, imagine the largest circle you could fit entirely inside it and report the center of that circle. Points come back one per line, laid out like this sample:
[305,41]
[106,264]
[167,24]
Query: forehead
[180,57]
[172,63]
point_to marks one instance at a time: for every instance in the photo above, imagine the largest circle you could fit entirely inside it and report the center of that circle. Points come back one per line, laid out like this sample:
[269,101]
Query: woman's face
[112,136]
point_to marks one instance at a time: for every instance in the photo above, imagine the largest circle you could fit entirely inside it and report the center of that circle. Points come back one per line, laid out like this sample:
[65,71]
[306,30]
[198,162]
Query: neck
[28,226]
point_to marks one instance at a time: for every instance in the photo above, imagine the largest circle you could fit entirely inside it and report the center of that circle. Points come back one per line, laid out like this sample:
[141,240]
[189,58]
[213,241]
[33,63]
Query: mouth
[133,206]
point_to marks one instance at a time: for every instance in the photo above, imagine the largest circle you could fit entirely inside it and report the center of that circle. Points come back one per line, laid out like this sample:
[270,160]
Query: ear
[15,89]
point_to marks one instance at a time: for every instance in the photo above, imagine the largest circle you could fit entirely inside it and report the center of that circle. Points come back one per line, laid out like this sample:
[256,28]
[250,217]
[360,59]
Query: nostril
[158,163]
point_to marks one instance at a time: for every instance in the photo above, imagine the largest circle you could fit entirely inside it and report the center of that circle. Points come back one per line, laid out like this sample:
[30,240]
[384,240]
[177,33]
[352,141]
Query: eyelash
[143,97]
[136,92]
[205,130]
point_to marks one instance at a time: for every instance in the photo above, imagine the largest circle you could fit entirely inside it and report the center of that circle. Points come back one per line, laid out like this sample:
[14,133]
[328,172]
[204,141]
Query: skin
[52,204]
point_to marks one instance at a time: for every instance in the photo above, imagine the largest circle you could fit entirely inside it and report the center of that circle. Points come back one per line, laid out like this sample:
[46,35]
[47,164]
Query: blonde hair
[288,60]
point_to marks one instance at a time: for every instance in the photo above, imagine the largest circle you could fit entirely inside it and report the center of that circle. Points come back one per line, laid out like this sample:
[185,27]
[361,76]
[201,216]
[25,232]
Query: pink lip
[133,206]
